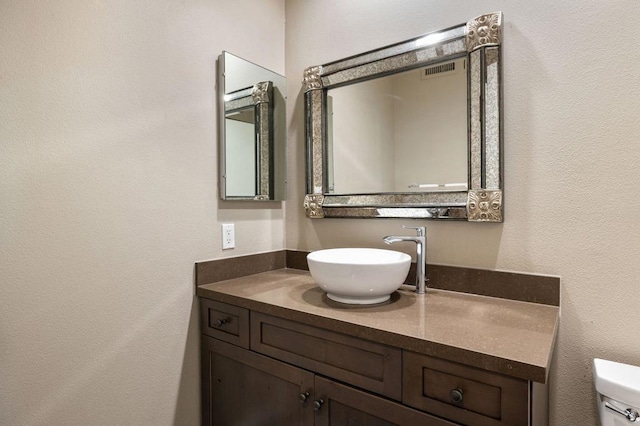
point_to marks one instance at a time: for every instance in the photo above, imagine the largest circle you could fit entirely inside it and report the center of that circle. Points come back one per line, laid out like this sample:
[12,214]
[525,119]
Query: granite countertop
[506,336]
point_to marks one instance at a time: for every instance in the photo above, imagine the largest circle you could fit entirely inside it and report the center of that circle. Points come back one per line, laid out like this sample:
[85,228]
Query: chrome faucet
[421,254]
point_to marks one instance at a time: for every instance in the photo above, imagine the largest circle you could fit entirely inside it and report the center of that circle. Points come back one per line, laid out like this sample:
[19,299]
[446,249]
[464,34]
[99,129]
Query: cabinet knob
[317,404]
[303,397]
[456,395]
[221,322]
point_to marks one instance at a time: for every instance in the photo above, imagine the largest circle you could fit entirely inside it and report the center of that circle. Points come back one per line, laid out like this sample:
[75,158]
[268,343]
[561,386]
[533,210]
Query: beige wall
[108,196]
[571,163]
[430,133]
[362,128]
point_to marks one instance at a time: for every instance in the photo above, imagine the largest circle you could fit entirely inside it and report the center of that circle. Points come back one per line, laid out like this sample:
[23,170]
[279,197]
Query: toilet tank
[618,387]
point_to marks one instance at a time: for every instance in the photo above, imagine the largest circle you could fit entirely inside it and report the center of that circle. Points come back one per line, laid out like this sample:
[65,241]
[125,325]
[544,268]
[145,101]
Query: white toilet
[618,387]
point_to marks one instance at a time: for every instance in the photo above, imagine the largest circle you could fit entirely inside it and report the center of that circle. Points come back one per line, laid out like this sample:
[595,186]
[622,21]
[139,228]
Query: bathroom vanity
[476,348]
[276,350]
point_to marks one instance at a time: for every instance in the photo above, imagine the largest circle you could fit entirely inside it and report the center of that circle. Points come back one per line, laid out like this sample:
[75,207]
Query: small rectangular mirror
[251,103]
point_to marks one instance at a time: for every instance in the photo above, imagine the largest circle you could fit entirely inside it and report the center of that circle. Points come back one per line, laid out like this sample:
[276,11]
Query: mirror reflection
[252,130]
[240,180]
[404,132]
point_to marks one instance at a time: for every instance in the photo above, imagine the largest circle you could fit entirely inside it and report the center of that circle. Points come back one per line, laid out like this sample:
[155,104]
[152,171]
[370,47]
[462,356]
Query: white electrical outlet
[228,236]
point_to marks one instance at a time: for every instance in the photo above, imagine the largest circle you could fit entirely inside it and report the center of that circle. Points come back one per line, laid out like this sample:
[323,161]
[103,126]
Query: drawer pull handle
[303,397]
[456,395]
[317,404]
[221,322]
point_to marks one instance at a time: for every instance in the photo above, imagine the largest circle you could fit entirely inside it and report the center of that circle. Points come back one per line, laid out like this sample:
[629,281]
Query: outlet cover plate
[228,236]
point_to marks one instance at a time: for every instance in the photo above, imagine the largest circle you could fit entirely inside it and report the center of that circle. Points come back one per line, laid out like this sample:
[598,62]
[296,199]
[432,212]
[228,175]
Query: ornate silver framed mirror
[411,130]
[252,131]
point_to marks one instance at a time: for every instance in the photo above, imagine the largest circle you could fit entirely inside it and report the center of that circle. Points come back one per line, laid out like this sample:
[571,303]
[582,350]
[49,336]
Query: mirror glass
[404,132]
[252,130]
[409,130]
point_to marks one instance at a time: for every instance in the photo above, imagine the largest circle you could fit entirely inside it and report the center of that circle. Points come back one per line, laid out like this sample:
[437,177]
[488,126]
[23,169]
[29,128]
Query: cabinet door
[240,387]
[339,405]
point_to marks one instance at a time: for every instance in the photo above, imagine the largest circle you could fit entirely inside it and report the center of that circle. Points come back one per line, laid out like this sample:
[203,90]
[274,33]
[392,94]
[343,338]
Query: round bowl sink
[359,275]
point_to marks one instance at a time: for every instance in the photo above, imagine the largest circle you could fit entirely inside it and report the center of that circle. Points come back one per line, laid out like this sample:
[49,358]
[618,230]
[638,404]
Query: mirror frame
[480,41]
[259,97]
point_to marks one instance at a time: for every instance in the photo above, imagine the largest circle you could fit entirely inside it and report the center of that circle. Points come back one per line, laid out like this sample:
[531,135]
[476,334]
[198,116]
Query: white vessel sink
[359,275]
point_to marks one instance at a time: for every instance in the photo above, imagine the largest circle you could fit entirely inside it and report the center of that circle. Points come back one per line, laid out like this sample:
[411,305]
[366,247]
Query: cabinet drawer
[362,363]
[463,394]
[225,322]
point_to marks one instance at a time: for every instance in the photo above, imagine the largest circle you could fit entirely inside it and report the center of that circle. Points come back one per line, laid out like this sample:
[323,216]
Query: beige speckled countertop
[509,337]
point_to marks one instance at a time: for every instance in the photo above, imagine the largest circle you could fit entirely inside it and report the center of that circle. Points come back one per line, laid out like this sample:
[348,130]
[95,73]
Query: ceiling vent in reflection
[441,70]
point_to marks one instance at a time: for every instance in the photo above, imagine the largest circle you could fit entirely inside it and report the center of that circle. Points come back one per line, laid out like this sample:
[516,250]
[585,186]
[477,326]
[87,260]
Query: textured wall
[107,197]
[571,163]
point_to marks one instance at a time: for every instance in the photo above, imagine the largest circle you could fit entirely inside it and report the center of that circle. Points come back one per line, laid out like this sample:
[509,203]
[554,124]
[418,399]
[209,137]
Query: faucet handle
[420,230]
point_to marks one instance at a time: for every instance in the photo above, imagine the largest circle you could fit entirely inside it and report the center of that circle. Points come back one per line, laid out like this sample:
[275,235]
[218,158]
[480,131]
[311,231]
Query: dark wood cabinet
[262,370]
[240,387]
[344,405]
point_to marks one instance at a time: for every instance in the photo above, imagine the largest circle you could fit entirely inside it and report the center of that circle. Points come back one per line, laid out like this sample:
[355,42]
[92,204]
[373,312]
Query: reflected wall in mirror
[409,130]
[405,132]
[252,130]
